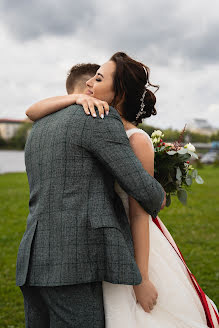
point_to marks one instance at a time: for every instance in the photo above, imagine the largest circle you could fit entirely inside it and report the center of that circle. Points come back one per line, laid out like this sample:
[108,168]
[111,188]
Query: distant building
[8,127]
[201,126]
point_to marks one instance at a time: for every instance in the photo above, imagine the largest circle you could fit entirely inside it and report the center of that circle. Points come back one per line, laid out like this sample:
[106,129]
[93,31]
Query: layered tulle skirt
[179,304]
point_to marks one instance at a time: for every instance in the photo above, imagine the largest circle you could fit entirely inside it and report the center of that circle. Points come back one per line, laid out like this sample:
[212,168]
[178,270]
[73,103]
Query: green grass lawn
[194,229]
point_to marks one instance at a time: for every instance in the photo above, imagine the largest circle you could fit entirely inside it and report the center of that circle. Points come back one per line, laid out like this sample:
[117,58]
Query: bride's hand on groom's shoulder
[89,103]
[146,294]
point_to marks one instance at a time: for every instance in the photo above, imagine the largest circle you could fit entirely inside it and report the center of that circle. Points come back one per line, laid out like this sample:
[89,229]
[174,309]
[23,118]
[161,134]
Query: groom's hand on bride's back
[164,201]
[146,295]
[89,103]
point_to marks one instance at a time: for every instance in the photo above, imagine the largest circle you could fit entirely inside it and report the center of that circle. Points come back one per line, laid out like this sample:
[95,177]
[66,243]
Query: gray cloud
[176,39]
[161,30]
[27,20]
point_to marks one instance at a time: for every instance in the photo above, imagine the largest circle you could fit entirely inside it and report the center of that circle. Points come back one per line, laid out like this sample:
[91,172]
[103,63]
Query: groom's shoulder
[74,109]
[72,113]
[114,113]
[78,109]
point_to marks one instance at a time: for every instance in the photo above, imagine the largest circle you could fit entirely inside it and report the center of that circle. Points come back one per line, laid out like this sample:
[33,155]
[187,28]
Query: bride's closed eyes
[98,79]
[104,90]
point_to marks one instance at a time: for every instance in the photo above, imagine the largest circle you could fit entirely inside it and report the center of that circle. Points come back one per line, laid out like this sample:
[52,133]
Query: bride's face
[101,85]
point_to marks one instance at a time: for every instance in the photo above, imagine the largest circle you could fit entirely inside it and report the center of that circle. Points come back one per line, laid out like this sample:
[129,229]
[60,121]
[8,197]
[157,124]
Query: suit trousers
[70,306]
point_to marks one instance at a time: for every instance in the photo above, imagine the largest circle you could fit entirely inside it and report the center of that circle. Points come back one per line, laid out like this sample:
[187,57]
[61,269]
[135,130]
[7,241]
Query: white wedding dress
[178,305]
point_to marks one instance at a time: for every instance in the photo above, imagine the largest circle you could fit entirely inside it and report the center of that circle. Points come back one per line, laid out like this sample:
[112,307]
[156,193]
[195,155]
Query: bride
[169,295]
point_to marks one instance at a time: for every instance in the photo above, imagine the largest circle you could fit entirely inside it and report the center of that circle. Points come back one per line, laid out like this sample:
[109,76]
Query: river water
[11,161]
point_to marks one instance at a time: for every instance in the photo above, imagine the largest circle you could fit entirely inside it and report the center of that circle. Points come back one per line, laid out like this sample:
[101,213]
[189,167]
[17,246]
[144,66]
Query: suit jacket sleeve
[107,140]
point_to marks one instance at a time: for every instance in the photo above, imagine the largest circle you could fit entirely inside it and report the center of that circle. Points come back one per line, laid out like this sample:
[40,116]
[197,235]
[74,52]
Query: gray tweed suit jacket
[77,230]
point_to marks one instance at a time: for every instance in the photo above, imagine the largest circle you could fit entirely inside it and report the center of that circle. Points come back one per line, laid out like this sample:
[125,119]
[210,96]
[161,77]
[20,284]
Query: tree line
[171,135]
[19,139]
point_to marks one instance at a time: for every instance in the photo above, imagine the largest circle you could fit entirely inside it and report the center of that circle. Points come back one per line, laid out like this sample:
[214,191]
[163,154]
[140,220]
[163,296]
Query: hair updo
[129,83]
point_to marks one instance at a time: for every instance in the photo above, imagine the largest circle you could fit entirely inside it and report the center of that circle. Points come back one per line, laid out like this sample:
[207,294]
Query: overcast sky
[178,40]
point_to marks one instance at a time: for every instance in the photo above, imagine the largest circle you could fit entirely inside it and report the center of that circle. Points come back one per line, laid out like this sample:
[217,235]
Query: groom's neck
[78,91]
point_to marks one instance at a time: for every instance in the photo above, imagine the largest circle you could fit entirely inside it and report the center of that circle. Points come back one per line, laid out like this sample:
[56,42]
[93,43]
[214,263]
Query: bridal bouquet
[172,167]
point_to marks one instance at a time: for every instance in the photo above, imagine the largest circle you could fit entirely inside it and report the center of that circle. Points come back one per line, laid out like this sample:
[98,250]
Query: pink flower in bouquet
[168,144]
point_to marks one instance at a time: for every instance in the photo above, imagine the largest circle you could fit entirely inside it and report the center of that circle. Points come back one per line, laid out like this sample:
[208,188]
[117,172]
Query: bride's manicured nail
[107,113]
[102,116]
[94,115]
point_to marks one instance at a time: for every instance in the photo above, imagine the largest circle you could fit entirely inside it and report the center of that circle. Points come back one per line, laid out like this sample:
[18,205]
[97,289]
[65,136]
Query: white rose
[157,133]
[190,147]
[153,135]
[154,140]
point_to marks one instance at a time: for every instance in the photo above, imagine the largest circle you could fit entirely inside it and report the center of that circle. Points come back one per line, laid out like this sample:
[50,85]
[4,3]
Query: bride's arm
[145,293]
[50,105]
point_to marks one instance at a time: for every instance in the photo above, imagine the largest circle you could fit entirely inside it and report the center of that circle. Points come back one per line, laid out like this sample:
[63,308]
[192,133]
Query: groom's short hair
[79,74]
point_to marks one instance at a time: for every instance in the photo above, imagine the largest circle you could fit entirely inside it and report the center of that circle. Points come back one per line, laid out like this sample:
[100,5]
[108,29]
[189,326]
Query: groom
[77,232]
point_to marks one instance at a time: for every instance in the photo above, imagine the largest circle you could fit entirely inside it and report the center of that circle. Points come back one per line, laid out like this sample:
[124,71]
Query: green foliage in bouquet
[172,167]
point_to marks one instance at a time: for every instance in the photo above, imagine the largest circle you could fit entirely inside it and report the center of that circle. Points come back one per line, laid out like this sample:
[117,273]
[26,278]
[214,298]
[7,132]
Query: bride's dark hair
[129,83]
